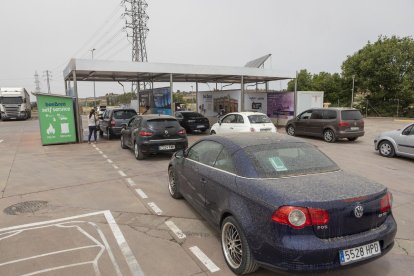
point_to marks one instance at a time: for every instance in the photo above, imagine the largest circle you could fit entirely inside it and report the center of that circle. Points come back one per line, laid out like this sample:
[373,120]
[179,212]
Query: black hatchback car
[151,134]
[192,121]
[112,120]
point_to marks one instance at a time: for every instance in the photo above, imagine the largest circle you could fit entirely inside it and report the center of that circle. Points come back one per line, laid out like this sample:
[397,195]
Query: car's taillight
[386,203]
[182,132]
[299,217]
[343,124]
[143,133]
[252,129]
[113,123]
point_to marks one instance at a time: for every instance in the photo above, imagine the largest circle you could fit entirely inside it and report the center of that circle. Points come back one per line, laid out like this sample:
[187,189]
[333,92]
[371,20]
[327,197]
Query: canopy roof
[114,71]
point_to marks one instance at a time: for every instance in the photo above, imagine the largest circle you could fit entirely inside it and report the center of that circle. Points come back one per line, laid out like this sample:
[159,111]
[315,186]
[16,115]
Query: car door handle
[231,127]
[203,180]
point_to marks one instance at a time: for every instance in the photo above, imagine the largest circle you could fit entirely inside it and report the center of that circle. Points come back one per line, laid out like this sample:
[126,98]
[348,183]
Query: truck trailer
[15,104]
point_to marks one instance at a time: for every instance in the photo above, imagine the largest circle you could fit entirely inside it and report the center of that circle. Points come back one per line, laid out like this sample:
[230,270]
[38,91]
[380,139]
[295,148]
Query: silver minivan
[329,123]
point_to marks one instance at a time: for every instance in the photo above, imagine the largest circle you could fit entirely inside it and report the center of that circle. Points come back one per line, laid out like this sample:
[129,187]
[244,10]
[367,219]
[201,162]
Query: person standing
[92,125]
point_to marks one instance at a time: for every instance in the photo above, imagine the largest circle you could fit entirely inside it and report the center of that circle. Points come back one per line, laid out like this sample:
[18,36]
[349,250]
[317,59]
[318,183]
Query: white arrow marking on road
[177,231]
[204,259]
[155,208]
[141,193]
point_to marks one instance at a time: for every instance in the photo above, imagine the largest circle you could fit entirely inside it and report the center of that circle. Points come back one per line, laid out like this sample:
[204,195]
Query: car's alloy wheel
[329,136]
[172,184]
[138,153]
[386,149]
[291,130]
[235,248]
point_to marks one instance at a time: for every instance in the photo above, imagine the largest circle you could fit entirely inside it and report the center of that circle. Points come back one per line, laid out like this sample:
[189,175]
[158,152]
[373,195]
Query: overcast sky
[300,34]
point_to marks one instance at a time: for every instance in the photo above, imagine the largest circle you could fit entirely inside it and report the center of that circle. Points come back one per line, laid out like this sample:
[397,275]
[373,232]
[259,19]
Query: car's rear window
[124,114]
[279,160]
[351,115]
[191,114]
[259,119]
[163,123]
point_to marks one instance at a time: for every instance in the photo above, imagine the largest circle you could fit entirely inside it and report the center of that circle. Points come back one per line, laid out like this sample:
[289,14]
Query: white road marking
[1,141]
[97,148]
[155,208]
[141,193]
[109,161]
[121,173]
[115,166]
[133,264]
[204,259]
[104,156]
[93,145]
[131,182]
[177,231]
[100,152]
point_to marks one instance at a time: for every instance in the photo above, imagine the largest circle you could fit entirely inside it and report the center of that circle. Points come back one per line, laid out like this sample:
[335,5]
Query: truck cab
[15,104]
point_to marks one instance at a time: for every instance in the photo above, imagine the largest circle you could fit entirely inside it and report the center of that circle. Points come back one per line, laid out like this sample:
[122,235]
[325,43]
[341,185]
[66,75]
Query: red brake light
[143,133]
[386,203]
[299,217]
[113,123]
[182,132]
[343,124]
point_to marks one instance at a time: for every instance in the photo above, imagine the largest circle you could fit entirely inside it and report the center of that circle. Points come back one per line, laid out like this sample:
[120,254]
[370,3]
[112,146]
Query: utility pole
[353,87]
[37,82]
[94,95]
[48,76]
[136,20]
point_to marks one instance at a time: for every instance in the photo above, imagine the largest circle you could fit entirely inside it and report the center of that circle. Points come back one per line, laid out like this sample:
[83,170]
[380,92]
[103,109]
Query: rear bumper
[149,147]
[195,126]
[348,134]
[308,253]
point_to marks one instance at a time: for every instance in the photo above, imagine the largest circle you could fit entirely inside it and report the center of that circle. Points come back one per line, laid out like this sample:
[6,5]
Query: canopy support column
[242,94]
[77,109]
[197,108]
[171,94]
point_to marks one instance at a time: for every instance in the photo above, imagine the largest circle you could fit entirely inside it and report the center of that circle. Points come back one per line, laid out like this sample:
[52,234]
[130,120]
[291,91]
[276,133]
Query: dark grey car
[329,123]
[112,120]
[150,134]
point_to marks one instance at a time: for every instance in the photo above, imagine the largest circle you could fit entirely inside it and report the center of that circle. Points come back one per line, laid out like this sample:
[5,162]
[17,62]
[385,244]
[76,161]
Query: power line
[37,82]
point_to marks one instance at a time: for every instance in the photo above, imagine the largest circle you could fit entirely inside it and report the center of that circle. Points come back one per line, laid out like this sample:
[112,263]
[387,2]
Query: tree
[384,73]
[304,81]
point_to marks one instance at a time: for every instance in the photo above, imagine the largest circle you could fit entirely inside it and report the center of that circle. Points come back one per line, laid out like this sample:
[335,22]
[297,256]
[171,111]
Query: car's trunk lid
[351,121]
[164,128]
[337,192]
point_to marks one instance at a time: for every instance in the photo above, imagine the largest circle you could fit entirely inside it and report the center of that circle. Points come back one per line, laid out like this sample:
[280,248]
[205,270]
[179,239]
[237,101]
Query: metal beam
[171,94]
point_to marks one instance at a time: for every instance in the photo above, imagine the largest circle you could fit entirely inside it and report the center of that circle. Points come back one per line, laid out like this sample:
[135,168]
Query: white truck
[15,104]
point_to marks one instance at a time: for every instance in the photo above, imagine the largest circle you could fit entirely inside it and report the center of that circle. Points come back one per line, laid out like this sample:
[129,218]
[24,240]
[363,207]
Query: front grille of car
[12,111]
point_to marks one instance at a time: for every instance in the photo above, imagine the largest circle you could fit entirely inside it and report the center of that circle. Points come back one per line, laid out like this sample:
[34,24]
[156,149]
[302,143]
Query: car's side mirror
[180,154]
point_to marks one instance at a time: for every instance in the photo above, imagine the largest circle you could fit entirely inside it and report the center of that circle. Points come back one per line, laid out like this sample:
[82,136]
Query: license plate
[265,129]
[354,128]
[200,126]
[166,147]
[359,253]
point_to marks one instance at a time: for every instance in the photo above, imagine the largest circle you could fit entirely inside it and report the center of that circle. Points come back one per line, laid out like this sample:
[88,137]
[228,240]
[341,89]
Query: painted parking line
[104,156]
[204,259]
[109,161]
[130,182]
[115,166]
[93,145]
[100,152]
[97,148]
[177,231]
[155,208]
[130,259]
[141,193]
[1,141]
[121,173]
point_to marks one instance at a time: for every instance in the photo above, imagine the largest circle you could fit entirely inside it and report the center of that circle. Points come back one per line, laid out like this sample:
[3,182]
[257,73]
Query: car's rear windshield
[124,114]
[259,119]
[163,123]
[289,159]
[191,114]
[351,115]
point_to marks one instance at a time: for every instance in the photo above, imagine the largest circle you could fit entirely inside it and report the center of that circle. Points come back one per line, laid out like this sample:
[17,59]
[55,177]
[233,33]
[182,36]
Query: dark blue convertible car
[282,204]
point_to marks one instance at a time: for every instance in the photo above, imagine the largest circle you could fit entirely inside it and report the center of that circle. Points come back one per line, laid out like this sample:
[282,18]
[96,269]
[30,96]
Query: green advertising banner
[57,119]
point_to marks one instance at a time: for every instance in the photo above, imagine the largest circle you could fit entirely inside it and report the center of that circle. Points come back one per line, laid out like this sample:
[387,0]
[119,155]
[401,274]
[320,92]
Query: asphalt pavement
[92,209]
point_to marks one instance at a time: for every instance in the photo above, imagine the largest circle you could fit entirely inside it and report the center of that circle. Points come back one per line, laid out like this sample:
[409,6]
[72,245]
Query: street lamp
[353,87]
[94,95]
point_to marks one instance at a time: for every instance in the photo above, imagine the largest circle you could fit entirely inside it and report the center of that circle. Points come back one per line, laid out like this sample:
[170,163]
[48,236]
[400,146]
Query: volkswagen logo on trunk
[359,211]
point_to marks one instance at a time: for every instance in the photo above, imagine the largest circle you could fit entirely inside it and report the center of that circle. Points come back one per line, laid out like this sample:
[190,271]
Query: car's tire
[352,139]
[290,130]
[212,132]
[329,136]
[386,149]
[173,185]
[108,134]
[123,142]
[138,153]
[235,248]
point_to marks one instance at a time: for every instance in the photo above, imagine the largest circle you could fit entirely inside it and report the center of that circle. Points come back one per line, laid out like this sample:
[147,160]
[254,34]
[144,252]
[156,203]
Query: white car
[243,122]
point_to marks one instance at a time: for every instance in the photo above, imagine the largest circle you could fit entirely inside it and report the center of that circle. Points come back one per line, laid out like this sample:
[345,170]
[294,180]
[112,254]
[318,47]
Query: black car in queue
[192,121]
[151,134]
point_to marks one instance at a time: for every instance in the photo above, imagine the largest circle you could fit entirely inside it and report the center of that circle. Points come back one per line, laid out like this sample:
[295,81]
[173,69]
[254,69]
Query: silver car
[398,142]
